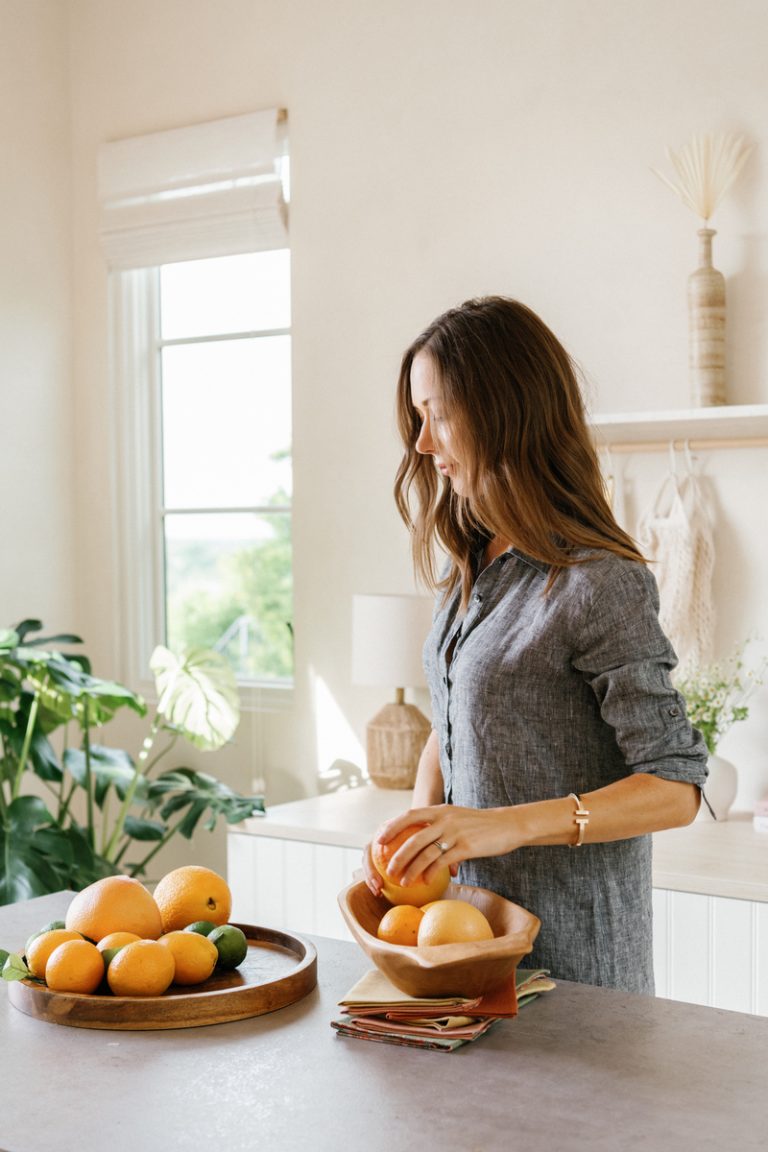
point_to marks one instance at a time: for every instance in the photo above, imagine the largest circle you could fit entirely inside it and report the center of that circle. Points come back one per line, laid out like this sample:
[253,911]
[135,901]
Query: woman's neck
[494,548]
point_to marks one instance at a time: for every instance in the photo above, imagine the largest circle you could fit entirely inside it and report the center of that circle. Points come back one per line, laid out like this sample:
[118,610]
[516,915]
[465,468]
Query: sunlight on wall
[335,738]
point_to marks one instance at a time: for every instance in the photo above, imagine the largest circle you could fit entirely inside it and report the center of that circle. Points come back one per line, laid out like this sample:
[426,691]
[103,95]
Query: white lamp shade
[388,634]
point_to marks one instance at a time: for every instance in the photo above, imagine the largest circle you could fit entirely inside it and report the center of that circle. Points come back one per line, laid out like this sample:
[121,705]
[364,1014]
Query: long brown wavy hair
[510,393]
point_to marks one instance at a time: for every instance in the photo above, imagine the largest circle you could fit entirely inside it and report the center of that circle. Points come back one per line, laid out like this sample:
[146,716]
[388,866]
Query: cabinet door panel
[689,953]
[733,953]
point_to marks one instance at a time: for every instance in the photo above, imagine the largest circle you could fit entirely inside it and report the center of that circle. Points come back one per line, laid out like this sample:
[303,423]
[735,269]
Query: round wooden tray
[278,970]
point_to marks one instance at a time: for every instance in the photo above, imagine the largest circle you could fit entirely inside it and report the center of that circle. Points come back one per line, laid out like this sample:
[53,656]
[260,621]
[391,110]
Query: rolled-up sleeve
[627,660]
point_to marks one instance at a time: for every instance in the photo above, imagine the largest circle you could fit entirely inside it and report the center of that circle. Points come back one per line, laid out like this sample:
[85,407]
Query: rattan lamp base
[395,738]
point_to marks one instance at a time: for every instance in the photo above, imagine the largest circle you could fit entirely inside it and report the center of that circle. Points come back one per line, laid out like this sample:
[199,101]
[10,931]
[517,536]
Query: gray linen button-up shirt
[538,694]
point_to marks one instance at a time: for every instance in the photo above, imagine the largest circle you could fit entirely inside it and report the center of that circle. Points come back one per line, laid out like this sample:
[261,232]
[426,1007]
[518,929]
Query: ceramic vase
[706,327]
[720,788]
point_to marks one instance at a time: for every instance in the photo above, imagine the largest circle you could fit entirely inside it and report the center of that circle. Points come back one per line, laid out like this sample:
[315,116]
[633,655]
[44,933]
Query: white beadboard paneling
[689,953]
[733,948]
[241,876]
[270,883]
[760,981]
[300,896]
[330,878]
[661,941]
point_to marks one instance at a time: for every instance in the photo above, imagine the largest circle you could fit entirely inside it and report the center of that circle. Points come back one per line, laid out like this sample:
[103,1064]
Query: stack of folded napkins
[375,1010]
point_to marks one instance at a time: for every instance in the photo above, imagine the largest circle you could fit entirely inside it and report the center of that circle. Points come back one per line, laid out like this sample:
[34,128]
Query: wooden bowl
[468,970]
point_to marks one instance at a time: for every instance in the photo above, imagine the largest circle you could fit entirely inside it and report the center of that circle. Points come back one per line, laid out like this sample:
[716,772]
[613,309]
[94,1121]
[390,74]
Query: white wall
[439,150]
[36,420]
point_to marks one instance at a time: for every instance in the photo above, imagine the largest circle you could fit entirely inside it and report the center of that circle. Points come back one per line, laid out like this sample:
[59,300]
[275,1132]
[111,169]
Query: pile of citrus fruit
[419,917]
[118,937]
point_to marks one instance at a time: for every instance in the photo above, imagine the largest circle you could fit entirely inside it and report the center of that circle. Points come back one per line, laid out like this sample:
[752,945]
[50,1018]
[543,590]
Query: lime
[49,927]
[231,945]
[202,927]
[109,954]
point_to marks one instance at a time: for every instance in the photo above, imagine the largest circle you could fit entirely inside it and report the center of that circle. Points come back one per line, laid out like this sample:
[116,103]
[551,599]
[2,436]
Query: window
[195,236]
[225,505]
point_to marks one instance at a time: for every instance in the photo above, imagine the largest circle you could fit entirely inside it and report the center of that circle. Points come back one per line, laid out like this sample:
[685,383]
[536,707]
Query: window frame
[135,375]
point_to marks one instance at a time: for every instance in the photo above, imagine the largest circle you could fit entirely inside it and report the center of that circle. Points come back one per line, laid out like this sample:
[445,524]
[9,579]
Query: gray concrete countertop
[580,1068]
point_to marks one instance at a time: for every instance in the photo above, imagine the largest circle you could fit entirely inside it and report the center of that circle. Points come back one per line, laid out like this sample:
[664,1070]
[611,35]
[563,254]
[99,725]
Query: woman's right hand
[428,789]
[372,876]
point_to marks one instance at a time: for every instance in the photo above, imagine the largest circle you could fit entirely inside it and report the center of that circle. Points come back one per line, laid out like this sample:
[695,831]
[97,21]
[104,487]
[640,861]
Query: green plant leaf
[26,814]
[144,829]
[110,767]
[14,968]
[65,687]
[26,626]
[192,818]
[43,759]
[197,695]
[184,787]
[23,629]
[28,872]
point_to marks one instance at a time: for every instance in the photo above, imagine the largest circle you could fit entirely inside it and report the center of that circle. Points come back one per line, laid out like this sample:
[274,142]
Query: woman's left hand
[451,835]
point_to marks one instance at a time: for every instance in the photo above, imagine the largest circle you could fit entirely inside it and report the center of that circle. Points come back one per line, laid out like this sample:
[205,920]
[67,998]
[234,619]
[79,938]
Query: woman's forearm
[633,806]
[428,788]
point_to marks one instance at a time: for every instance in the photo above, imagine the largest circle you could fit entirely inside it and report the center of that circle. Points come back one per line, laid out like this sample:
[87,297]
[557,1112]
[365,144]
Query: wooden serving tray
[278,970]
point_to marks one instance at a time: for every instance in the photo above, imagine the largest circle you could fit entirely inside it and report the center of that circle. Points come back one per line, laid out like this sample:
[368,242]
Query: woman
[559,742]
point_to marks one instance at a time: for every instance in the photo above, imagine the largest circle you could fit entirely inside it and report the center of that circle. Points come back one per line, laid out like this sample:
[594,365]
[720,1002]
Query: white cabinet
[291,885]
[710,896]
[708,949]
[286,869]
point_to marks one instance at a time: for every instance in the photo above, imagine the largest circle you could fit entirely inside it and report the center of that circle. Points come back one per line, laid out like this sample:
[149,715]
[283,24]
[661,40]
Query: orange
[114,904]
[116,940]
[192,893]
[194,956]
[453,922]
[42,946]
[75,966]
[420,891]
[144,968]
[400,925]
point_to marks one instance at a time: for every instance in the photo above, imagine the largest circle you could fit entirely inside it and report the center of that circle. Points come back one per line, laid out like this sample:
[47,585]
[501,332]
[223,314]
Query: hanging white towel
[676,535]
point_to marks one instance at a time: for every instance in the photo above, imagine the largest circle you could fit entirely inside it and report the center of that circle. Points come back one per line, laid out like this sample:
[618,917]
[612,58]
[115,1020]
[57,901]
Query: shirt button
[673,711]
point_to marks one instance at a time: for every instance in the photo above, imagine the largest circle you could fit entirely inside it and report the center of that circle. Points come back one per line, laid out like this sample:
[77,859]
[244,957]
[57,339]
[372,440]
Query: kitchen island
[580,1068]
[710,888]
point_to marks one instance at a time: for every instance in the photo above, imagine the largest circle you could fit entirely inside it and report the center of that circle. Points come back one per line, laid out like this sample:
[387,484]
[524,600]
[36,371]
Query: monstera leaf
[197,695]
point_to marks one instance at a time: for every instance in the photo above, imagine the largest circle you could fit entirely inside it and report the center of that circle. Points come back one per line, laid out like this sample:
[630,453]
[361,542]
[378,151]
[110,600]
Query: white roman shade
[214,189]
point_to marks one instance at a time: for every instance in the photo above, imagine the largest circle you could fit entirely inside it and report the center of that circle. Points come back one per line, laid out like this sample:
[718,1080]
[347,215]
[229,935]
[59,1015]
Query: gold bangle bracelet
[581,817]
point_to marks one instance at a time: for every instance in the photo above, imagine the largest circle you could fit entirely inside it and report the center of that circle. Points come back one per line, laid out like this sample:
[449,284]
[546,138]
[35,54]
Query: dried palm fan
[707,167]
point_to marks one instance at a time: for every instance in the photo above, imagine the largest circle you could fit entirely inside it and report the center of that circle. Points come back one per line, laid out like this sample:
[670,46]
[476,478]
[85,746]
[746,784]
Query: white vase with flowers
[716,699]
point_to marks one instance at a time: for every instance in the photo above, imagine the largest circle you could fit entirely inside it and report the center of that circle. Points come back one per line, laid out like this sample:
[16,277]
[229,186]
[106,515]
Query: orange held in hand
[192,893]
[400,925]
[421,891]
[114,904]
[453,922]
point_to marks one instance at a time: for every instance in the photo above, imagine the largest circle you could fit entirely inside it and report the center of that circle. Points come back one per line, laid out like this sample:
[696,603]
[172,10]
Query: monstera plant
[73,809]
